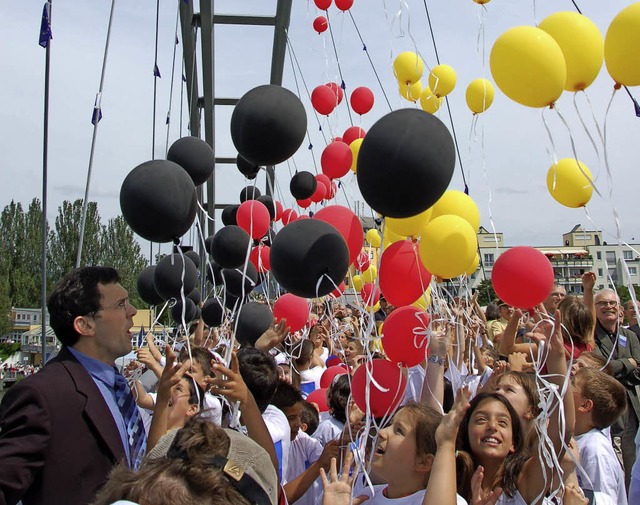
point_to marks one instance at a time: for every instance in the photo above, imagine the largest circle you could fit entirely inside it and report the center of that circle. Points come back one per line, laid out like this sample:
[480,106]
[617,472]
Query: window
[611,257]
[633,270]
[489,259]
[627,255]
[599,272]
[599,255]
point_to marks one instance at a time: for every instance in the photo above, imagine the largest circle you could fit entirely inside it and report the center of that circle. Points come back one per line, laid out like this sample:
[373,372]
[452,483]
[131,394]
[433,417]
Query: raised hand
[478,495]
[229,382]
[447,431]
[274,336]
[337,491]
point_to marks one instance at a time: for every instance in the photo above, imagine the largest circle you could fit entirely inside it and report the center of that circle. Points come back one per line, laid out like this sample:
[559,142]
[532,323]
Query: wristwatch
[436,359]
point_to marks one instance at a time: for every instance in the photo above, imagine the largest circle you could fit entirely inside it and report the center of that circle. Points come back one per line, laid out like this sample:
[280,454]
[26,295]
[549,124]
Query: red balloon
[402,341]
[319,194]
[347,223]
[292,308]
[522,277]
[320,24]
[325,181]
[403,277]
[259,256]
[386,387]
[253,217]
[289,215]
[337,90]
[334,190]
[336,139]
[323,100]
[344,5]
[362,261]
[370,294]
[339,291]
[331,373]
[319,398]
[279,210]
[336,159]
[305,204]
[352,133]
[322,4]
[361,100]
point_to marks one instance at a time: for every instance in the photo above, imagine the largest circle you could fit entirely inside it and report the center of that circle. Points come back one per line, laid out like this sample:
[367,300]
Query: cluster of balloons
[326,97]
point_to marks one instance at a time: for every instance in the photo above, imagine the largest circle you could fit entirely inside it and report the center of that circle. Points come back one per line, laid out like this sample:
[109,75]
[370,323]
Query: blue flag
[140,337]
[96,115]
[45,26]
[156,70]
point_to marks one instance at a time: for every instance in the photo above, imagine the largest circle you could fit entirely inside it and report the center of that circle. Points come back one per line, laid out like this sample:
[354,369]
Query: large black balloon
[146,289]
[195,156]
[214,273]
[229,246]
[249,193]
[195,296]
[190,311]
[268,203]
[212,312]
[167,277]
[252,320]
[305,252]
[158,200]
[268,125]
[248,169]
[234,279]
[193,256]
[303,185]
[405,163]
[229,215]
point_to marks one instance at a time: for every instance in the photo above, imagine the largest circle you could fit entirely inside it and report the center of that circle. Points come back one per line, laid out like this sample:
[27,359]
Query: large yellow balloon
[471,269]
[355,149]
[424,301]
[442,80]
[412,226]
[408,67]
[621,46]
[582,46]
[370,274]
[429,102]
[479,95]
[448,246]
[357,282]
[460,204]
[528,66]
[568,181]
[391,237]
[373,238]
[410,92]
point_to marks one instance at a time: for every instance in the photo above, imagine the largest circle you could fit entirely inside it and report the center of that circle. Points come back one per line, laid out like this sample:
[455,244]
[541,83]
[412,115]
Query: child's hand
[338,491]
[330,451]
[478,496]
[447,431]
[274,336]
[171,374]
[228,382]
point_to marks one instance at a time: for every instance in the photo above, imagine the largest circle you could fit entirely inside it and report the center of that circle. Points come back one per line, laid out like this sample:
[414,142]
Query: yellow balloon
[568,184]
[582,46]
[471,269]
[424,301]
[409,226]
[442,80]
[429,102]
[448,246]
[528,66]
[482,2]
[621,44]
[355,149]
[479,95]
[391,237]
[460,204]
[370,274]
[373,238]
[357,283]
[410,92]
[408,67]
[376,307]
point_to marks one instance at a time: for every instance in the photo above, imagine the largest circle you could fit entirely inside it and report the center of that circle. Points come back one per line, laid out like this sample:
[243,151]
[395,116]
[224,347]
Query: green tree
[5,306]
[486,294]
[625,296]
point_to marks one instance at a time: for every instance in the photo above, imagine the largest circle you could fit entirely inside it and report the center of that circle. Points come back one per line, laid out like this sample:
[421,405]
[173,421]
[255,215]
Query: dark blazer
[58,439]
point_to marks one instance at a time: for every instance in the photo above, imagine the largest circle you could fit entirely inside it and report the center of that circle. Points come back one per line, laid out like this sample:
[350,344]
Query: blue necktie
[136,435]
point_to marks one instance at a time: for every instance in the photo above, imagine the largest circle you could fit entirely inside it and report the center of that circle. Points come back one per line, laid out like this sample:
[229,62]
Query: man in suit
[622,345]
[63,429]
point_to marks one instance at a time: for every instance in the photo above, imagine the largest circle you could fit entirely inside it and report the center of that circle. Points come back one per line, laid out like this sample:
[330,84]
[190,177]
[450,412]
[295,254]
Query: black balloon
[195,156]
[305,252]
[405,163]
[212,312]
[190,311]
[268,203]
[214,273]
[146,289]
[229,215]
[268,125]
[303,185]
[193,256]
[248,169]
[249,193]
[167,277]
[158,200]
[207,243]
[234,280]
[229,246]
[195,296]
[252,320]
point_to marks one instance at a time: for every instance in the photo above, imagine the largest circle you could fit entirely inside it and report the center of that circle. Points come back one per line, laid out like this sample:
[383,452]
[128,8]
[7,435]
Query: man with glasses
[553,300]
[621,346]
[63,429]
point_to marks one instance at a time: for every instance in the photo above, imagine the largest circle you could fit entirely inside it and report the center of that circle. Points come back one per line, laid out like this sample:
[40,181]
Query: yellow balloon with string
[569,182]
[408,67]
[373,238]
[424,301]
[412,226]
[370,274]
[442,80]
[355,149]
[479,95]
[429,102]
[621,44]
[460,204]
[448,246]
[390,237]
[357,283]
[528,66]
[582,46]
[410,91]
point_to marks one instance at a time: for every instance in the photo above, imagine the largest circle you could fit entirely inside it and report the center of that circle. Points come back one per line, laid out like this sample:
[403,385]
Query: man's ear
[84,325]
[424,463]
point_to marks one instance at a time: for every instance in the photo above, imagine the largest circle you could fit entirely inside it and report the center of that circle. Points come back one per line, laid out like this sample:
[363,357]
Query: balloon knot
[617,85]
[176,241]
[552,105]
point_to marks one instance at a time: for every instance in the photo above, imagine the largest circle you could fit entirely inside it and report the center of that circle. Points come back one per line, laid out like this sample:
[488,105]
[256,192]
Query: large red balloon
[348,224]
[292,308]
[404,336]
[322,4]
[403,277]
[339,291]
[253,217]
[259,256]
[370,294]
[319,397]
[331,373]
[289,215]
[344,5]
[320,24]
[522,277]
[326,182]
[362,261]
[337,90]
[319,194]
[386,387]
[352,133]
[336,159]
[362,100]
[323,100]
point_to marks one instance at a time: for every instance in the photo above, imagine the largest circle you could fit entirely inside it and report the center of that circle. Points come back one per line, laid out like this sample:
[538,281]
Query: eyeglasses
[607,303]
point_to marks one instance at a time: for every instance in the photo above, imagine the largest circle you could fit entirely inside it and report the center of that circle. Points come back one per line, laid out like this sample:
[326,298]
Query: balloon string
[584,126]
[173,69]
[342,84]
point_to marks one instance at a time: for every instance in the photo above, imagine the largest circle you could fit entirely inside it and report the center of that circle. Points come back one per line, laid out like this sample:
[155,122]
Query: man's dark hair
[77,294]
[286,395]
[260,374]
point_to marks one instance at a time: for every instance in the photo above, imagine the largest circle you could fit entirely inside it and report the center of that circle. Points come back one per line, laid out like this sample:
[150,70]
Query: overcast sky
[510,164]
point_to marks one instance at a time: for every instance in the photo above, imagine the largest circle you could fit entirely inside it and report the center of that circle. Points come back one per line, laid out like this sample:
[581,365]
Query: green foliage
[486,294]
[8,350]
[625,296]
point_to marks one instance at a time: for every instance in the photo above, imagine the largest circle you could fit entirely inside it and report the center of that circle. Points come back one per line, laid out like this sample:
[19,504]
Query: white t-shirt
[413,499]
[304,451]
[601,465]
[415,380]
[328,430]
[310,380]
[280,432]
